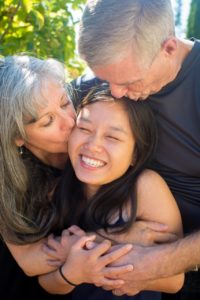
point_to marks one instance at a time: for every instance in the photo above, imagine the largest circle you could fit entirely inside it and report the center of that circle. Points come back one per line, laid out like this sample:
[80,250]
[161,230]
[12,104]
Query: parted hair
[25,210]
[95,213]
[109,28]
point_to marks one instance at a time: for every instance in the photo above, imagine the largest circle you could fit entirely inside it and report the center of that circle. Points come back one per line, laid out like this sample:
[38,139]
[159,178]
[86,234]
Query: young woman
[106,188]
[36,119]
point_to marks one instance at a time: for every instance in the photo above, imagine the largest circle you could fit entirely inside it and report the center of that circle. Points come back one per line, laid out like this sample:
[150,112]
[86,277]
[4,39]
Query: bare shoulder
[155,200]
[150,179]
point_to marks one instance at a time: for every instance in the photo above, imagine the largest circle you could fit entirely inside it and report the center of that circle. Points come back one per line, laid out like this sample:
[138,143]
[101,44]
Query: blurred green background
[48,28]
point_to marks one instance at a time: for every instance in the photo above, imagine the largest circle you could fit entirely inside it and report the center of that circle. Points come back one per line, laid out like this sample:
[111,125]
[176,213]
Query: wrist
[65,278]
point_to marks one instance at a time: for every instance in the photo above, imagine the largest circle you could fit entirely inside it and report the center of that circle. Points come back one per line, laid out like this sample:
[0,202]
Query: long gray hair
[21,79]
[109,28]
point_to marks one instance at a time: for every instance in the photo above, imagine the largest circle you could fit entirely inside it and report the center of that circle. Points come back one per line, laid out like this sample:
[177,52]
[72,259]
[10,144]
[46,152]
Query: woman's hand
[92,266]
[57,248]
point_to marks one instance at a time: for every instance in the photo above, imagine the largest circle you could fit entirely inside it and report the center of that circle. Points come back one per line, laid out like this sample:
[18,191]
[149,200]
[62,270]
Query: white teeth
[92,162]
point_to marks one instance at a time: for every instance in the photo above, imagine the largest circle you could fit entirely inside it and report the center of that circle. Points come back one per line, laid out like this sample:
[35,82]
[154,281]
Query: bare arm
[31,259]
[86,266]
[47,254]
[155,203]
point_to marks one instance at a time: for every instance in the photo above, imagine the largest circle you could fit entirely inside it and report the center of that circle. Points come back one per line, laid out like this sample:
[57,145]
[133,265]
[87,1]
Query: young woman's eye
[48,122]
[114,138]
[83,129]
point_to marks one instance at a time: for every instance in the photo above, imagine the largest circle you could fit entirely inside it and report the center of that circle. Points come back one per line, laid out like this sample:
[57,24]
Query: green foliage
[193,28]
[41,28]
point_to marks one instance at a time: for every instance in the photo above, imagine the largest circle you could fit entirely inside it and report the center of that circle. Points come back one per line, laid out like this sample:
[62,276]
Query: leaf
[27,4]
[44,28]
[39,18]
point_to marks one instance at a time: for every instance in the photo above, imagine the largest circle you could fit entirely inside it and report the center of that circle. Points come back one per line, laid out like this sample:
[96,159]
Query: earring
[21,150]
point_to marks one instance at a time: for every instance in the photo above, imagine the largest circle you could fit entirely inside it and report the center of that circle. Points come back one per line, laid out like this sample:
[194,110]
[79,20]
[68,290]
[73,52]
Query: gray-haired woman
[36,118]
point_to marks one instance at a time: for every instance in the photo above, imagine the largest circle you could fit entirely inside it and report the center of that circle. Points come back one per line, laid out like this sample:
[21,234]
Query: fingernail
[130,267]
[129,246]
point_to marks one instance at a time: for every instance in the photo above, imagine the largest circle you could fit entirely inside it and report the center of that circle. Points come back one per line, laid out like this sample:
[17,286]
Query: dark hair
[110,198]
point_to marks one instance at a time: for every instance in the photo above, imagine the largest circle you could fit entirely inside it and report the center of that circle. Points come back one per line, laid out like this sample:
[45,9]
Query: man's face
[130,77]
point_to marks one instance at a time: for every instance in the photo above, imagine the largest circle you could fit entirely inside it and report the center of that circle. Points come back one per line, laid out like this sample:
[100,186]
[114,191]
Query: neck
[57,160]
[183,49]
[90,190]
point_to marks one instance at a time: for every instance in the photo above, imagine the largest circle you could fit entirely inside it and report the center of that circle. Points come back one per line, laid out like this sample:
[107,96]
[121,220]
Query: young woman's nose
[94,144]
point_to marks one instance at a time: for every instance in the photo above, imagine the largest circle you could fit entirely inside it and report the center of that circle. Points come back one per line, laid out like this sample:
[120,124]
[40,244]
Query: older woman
[33,148]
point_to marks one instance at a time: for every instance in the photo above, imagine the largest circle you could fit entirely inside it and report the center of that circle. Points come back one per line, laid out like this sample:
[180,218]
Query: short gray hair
[109,27]
[21,81]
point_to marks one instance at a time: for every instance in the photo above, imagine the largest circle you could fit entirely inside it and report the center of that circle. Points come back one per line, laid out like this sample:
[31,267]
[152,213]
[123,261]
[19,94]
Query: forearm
[180,256]
[31,259]
[168,285]
[53,283]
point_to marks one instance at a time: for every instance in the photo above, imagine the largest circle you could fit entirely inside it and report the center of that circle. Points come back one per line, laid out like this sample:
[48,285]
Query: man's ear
[19,142]
[169,46]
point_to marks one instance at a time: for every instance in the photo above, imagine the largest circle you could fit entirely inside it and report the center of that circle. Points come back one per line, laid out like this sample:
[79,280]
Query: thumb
[82,242]
[90,245]
[156,226]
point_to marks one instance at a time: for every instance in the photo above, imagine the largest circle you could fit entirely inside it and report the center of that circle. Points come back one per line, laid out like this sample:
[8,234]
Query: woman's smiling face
[101,145]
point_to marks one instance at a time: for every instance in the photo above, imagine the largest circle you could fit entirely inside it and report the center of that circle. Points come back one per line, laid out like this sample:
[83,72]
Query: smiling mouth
[91,162]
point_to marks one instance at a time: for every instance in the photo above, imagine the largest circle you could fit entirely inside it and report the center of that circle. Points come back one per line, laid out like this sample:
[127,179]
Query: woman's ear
[19,142]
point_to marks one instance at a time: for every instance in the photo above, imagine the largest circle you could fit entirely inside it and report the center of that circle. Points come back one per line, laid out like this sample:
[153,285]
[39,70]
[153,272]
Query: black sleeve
[80,87]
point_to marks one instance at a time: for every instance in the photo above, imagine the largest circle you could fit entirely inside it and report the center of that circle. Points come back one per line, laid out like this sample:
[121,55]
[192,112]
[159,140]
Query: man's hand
[148,264]
[146,233]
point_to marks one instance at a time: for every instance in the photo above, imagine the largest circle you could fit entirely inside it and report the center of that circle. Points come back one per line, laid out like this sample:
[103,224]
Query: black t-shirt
[177,110]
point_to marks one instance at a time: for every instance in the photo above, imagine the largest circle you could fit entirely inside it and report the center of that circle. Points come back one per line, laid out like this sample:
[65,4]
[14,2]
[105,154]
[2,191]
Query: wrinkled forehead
[122,72]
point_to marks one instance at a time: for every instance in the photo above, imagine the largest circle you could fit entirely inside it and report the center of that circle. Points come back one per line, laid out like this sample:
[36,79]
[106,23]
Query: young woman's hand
[92,266]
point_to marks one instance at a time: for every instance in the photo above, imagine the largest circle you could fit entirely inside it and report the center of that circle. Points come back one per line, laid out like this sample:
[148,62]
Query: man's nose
[118,91]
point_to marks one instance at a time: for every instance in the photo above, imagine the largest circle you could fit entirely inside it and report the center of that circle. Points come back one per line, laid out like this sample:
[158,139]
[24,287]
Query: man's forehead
[124,72]
[120,78]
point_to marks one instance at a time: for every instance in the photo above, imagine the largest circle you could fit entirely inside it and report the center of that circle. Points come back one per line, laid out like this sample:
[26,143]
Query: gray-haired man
[131,44]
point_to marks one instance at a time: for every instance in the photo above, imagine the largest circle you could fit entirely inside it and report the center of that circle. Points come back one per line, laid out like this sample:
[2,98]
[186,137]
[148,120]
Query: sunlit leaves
[193,29]
[41,28]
